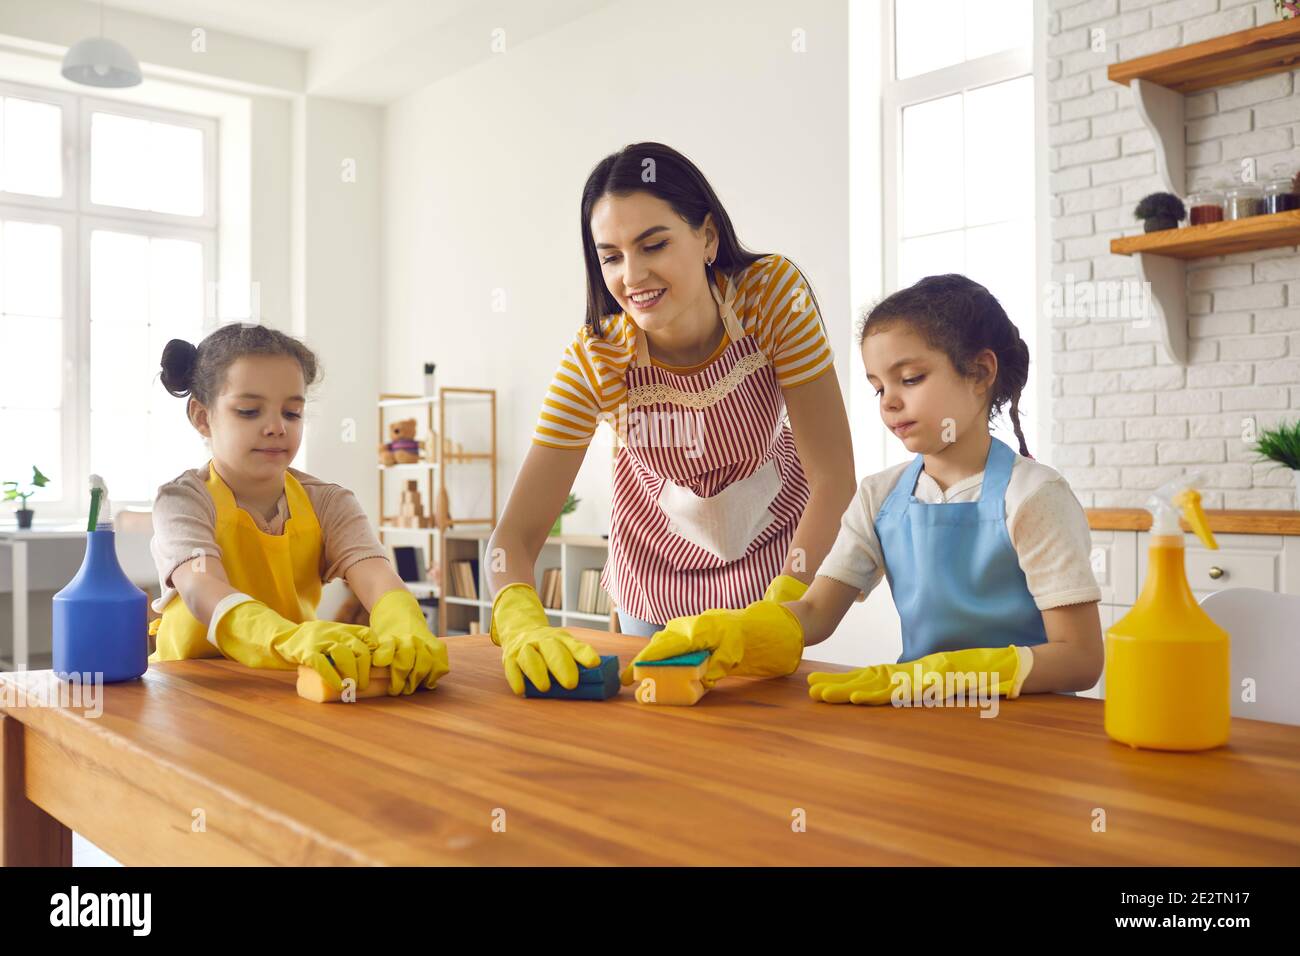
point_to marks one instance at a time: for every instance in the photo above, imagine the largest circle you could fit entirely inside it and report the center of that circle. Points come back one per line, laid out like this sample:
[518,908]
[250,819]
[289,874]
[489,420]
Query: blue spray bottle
[100,617]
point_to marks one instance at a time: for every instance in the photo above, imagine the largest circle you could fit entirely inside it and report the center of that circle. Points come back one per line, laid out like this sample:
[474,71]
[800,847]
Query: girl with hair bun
[244,542]
[987,551]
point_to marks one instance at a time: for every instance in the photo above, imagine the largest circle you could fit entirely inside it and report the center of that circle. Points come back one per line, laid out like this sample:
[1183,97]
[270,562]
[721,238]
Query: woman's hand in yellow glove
[763,640]
[403,642]
[1006,667]
[531,646]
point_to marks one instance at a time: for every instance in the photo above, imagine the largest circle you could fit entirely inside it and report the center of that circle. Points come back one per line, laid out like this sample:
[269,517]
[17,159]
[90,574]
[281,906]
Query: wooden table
[431,779]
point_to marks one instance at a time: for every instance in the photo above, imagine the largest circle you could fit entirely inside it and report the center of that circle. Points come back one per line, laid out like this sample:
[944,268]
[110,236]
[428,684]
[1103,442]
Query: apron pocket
[726,524]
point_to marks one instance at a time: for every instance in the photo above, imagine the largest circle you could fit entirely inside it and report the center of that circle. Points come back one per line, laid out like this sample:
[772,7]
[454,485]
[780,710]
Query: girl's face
[650,257]
[923,399]
[255,427]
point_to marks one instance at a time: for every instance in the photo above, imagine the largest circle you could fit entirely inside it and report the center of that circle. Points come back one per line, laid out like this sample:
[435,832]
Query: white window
[108,231]
[959,165]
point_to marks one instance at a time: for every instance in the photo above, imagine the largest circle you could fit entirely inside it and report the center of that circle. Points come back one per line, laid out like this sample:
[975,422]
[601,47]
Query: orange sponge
[313,687]
[674,681]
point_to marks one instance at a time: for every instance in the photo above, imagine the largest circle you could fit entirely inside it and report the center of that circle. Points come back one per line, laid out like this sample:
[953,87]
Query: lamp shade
[99,61]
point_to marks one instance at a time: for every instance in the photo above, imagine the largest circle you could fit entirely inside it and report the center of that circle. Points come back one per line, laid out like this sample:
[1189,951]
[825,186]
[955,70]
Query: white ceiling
[294,23]
[371,51]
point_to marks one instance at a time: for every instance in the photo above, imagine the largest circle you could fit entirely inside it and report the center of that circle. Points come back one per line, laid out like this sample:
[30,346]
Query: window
[959,165]
[107,247]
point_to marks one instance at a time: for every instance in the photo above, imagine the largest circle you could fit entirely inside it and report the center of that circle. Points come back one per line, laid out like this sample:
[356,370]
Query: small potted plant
[1160,211]
[1287,9]
[1282,445]
[12,493]
[570,505]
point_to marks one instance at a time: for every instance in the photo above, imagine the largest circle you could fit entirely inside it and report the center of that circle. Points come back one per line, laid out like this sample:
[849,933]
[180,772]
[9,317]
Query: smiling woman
[692,348]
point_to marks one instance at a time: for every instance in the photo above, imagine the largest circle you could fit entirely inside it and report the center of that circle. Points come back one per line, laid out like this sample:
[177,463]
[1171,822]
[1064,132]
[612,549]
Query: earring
[709,261]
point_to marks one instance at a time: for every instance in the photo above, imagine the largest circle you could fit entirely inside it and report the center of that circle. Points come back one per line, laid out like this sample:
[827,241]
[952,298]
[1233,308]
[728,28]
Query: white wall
[484,170]
[1127,419]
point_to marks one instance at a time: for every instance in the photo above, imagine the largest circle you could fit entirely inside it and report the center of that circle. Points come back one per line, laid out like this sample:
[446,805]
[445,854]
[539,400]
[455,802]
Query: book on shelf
[462,581]
[552,588]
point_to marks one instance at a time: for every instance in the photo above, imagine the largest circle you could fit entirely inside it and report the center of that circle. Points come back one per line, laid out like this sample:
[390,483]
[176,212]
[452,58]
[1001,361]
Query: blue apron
[955,576]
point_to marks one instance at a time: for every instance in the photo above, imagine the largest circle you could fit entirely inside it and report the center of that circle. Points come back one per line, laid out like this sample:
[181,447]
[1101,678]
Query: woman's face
[923,399]
[650,257]
[255,426]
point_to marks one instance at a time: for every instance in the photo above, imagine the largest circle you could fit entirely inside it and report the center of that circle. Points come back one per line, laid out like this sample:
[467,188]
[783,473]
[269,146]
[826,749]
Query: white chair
[1265,631]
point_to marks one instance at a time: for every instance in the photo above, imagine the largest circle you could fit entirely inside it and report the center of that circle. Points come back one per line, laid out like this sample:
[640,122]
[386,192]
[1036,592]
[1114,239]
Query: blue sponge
[594,683]
[681,660]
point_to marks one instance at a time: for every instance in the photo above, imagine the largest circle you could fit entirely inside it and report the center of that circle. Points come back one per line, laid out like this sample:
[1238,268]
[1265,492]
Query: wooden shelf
[1216,238]
[1158,83]
[1231,521]
[1219,61]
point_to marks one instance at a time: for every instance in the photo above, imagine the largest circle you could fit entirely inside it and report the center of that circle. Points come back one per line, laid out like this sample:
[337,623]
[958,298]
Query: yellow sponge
[313,687]
[674,681]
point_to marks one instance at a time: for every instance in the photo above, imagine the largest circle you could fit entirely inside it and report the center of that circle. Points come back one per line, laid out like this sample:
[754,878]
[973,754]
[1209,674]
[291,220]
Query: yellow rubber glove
[404,643]
[763,640]
[878,684]
[256,636]
[784,589]
[530,645]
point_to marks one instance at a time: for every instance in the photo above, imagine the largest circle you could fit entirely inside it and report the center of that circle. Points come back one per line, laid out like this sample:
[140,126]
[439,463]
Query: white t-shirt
[1046,523]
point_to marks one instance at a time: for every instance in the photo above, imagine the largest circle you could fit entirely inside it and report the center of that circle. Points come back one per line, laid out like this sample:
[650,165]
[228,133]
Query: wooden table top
[423,779]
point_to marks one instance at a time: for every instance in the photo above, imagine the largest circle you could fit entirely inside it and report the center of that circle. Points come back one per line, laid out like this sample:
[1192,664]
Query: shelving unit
[571,553]
[1159,82]
[467,538]
[435,474]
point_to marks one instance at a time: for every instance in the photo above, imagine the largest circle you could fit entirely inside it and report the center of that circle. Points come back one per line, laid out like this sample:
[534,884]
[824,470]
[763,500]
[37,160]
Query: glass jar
[1243,201]
[1205,204]
[1279,194]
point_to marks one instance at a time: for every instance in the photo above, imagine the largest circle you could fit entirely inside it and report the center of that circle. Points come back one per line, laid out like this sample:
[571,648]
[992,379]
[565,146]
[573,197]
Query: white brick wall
[1125,419]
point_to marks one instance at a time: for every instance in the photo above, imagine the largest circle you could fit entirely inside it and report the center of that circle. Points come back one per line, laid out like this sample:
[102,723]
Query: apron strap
[898,498]
[729,321]
[997,473]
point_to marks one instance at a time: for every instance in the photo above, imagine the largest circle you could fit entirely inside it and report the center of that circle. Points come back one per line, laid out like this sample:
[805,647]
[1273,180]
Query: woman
[693,346]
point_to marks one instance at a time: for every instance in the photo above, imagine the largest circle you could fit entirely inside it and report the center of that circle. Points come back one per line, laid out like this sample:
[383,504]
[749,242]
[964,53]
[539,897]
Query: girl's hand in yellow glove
[785,589]
[531,646]
[1006,667]
[246,630]
[403,642]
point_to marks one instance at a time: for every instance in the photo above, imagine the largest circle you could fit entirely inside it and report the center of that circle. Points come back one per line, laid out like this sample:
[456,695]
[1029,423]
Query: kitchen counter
[1243,521]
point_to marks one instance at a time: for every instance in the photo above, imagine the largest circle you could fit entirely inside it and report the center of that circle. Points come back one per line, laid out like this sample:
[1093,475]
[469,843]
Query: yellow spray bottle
[1167,664]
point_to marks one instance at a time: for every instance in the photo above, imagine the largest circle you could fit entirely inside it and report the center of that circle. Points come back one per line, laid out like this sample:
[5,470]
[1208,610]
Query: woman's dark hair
[200,371]
[959,317]
[661,171]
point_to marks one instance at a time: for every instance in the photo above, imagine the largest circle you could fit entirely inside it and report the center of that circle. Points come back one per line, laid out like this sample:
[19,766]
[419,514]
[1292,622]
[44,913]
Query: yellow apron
[280,570]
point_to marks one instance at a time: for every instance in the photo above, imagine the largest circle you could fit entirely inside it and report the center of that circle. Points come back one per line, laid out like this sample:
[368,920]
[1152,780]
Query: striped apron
[708,487]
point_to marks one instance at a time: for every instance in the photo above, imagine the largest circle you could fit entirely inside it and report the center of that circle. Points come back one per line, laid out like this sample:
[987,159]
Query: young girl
[986,551]
[246,541]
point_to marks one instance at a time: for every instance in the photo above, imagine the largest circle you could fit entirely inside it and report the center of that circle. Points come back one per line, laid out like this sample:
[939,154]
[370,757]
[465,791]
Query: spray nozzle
[1180,496]
[99,504]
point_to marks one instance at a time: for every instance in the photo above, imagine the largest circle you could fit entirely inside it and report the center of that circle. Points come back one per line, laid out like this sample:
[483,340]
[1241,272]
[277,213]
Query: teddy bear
[401,447]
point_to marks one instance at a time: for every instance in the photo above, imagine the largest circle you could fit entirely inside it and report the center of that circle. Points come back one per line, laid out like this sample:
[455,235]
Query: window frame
[68,127]
[77,217]
[897,95]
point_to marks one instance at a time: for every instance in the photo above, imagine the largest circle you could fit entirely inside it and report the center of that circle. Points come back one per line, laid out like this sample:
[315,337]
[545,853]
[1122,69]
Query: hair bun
[178,360]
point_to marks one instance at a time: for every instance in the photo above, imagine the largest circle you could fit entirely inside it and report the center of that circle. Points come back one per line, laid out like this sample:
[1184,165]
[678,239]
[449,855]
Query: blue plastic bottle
[101,619]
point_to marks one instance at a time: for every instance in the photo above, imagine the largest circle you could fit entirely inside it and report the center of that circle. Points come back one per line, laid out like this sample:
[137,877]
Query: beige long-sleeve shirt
[185,519]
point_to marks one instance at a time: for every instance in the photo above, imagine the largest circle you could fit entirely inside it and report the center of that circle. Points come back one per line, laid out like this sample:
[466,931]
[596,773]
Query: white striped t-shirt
[774,304]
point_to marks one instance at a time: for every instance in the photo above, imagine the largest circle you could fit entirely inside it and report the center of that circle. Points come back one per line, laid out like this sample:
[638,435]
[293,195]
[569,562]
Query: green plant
[1161,206]
[570,505]
[12,492]
[1281,444]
